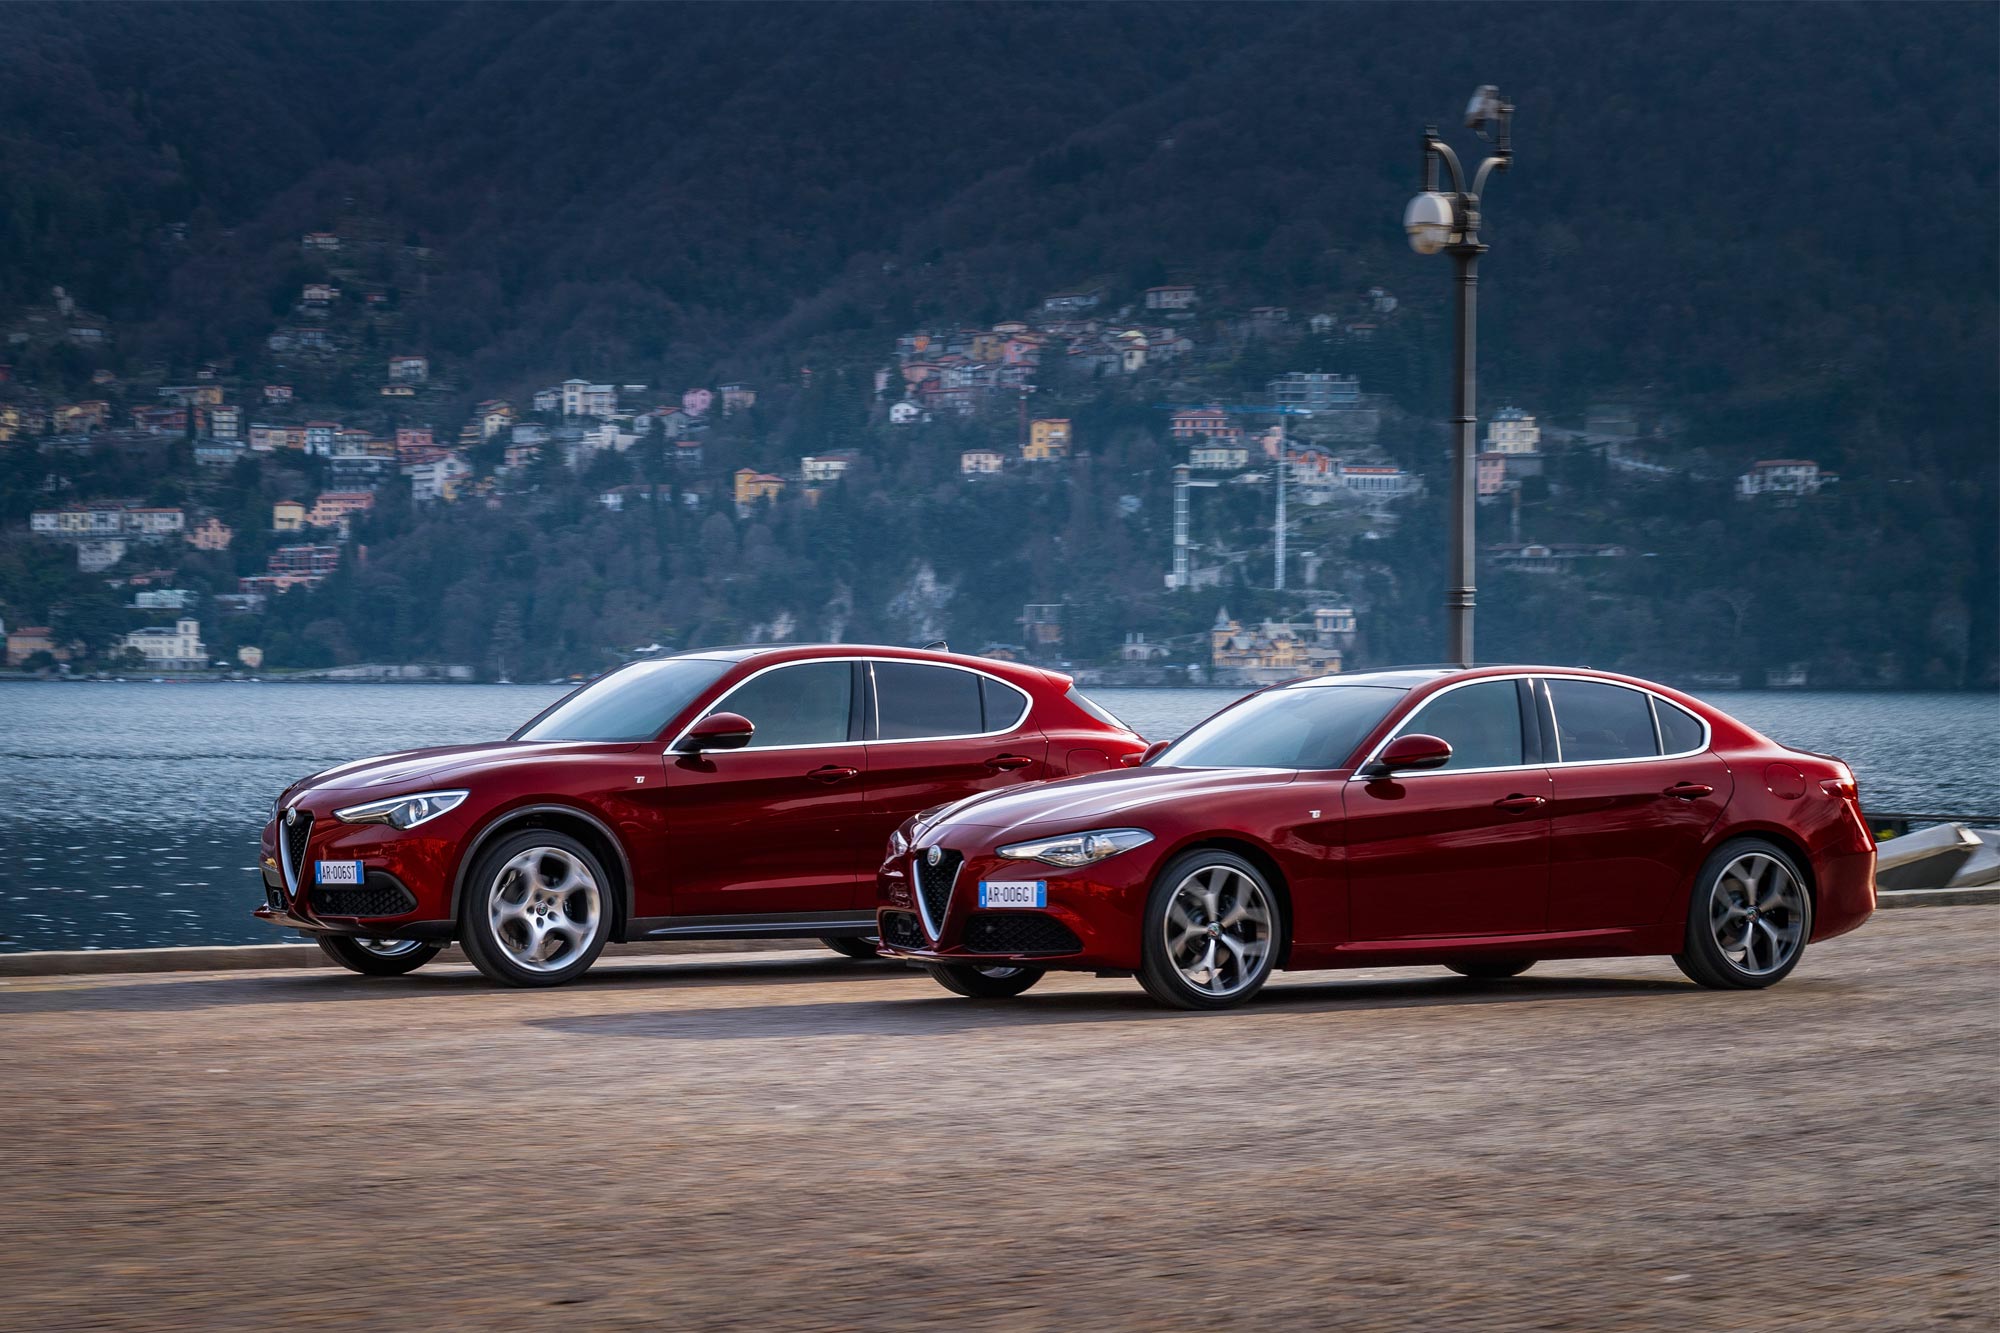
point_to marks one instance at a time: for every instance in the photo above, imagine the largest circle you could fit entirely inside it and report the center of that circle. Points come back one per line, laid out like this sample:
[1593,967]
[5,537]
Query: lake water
[132,811]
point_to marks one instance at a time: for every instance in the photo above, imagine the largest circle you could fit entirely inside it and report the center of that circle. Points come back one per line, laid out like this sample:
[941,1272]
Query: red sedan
[742,792]
[1480,820]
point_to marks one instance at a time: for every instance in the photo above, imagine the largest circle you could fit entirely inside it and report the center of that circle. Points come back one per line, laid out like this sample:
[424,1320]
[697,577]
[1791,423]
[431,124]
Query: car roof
[743,652]
[1410,677]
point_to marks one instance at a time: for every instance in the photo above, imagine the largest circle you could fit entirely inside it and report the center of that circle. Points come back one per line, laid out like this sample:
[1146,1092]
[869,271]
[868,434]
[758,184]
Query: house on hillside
[1173,296]
[1275,650]
[1070,303]
[752,486]
[979,462]
[1315,391]
[1048,440]
[409,369]
[817,468]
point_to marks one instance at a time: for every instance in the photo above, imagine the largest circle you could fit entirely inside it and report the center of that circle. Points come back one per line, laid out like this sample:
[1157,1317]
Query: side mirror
[1409,753]
[721,731]
[1147,756]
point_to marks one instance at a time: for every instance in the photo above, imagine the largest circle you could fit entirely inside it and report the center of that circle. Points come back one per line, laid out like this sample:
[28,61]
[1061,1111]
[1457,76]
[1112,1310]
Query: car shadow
[945,1015]
[169,993]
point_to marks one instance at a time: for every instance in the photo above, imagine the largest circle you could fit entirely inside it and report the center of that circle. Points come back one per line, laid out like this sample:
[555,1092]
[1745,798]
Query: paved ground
[809,1143]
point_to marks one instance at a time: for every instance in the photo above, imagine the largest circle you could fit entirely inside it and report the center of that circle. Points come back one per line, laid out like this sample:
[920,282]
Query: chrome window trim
[1027,706]
[1654,698]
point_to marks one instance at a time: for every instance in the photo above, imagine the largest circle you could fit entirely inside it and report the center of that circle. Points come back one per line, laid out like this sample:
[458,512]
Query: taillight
[1844,788]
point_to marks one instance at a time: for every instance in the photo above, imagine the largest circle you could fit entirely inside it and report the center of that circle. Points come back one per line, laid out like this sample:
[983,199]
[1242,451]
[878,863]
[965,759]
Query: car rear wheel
[983,983]
[377,958]
[536,909]
[1212,929]
[851,946]
[1748,919]
[1491,969]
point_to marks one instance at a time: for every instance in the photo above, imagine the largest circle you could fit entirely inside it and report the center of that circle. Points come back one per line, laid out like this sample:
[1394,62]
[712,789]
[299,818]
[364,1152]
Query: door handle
[1518,802]
[1003,763]
[1689,791]
[833,773]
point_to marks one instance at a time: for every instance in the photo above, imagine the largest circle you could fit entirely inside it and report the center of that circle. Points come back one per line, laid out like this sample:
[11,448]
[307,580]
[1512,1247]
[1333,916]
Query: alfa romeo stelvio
[742,792]
[1476,819]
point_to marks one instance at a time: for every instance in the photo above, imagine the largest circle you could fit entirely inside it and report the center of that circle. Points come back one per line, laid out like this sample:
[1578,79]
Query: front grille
[901,929]
[380,896]
[292,838]
[934,883]
[1018,932]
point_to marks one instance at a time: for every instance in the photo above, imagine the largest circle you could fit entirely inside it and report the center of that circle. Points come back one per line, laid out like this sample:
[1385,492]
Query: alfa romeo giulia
[1480,820]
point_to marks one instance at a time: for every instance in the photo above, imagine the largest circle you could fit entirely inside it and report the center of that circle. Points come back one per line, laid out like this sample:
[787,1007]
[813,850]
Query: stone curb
[241,957]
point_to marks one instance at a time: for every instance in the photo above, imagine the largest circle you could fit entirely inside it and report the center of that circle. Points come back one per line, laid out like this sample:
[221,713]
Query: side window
[1004,707]
[805,704]
[1599,721]
[1680,730]
[1482,723]
[913,699]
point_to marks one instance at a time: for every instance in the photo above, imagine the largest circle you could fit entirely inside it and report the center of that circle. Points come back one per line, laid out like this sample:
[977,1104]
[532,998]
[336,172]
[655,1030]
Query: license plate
[340,872]
[1013,893]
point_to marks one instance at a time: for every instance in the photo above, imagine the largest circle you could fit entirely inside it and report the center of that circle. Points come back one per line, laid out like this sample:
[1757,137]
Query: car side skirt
[752,926]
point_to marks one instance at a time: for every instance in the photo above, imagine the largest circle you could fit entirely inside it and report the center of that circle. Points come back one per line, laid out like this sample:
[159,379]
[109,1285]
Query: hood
[445,765]
[1100,800]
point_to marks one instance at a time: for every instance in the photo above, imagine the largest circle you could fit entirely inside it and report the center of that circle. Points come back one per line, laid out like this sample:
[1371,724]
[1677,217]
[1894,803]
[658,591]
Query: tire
[377,958]
[537,909]
[860,947]
[1749,917]
[983,983]
[1491,969]
[1189,914]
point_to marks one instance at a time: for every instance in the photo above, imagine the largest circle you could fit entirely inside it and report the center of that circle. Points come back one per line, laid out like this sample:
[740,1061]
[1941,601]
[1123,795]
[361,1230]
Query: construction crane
[1179,577]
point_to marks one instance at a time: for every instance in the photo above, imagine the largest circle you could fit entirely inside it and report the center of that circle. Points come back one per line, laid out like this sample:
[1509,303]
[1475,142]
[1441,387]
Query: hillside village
[335,427]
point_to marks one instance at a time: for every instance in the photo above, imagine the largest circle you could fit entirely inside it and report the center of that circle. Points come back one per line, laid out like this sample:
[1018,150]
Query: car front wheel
[536,909]
[1748,919]
[1212,929]
[983,983]
[377,958]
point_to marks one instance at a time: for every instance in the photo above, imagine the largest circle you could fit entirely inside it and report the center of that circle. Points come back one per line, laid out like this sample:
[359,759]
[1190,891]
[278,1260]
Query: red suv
[722,793]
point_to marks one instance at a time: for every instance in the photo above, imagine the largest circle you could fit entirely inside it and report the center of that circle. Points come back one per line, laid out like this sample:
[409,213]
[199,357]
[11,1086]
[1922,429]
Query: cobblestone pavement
[797,1141]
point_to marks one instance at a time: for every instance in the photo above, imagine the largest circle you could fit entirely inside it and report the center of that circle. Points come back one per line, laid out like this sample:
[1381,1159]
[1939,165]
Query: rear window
[913,700]
[1680,730]
[1598,721]
[1095,709]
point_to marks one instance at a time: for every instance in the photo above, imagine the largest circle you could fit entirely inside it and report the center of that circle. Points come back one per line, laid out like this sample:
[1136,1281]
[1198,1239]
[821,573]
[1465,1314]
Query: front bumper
[406,892]
[1098,909]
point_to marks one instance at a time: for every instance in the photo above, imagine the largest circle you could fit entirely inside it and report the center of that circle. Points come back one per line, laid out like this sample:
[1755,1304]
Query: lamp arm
[1435,148]
[1498,162]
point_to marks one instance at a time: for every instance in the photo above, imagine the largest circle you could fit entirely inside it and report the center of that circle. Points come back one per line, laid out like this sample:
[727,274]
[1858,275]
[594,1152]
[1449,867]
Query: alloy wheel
[1757,913]
[545,908]
[1218,930]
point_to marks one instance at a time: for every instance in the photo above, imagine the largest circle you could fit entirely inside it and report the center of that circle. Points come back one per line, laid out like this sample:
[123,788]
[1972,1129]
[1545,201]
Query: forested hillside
[1773,225]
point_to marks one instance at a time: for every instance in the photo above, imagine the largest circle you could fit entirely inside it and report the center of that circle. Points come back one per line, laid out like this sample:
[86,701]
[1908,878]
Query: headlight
[402,811]
[1078,849]
[898,844]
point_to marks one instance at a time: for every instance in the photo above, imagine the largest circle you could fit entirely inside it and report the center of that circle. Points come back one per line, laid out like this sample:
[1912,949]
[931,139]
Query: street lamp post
[1449,221]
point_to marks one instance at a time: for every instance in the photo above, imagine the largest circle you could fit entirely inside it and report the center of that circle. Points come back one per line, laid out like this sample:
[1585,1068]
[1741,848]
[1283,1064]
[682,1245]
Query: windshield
[1317,726]
[633,703]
